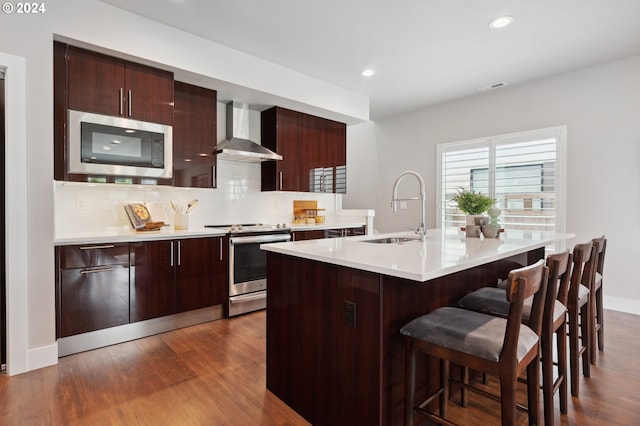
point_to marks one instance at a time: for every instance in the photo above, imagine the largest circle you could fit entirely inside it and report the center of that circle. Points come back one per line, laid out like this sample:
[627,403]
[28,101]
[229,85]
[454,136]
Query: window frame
[491,142]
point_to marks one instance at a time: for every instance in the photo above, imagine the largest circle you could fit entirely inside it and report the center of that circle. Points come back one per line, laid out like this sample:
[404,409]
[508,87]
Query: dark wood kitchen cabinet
[94,82]
[314,234]
[112,86]
[194,136]
[172,276]
[92,287]
[153,290]
[313,151]
[201,273]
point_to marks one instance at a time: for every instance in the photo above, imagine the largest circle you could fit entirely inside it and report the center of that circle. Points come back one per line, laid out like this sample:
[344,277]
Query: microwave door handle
[129,102]
[121,100]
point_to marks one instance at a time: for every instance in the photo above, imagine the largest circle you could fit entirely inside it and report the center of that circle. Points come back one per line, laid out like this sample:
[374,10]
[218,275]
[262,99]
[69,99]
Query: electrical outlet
[81,204]
[350,314]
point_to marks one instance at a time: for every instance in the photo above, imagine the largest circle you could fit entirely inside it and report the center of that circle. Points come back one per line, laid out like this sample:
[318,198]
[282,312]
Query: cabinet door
[153,291]
[195,271]
[95,82]
[194,136]
[280,132]
[149,94]
[308,235]
[313,151]
[336,148]
[91,294]
[221,271]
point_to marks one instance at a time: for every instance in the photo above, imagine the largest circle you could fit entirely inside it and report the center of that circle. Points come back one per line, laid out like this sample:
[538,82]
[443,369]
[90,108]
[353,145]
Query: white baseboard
[630,306]
[43,356]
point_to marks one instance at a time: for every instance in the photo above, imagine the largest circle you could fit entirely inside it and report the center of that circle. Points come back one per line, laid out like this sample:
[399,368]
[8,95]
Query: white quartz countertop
[133,236]
[168,233]
[441,254]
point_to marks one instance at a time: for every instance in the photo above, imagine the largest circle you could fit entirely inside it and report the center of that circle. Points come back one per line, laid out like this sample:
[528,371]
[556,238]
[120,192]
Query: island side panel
[325,368]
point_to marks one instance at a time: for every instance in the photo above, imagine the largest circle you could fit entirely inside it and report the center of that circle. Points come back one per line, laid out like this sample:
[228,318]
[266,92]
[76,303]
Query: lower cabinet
[201,263]
[173,276]
[152,289]
[92,290]
[105,285]
[329,233]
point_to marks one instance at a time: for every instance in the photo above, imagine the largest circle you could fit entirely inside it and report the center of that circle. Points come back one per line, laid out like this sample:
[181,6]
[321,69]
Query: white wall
[30,38]
[362,166]
[600,107]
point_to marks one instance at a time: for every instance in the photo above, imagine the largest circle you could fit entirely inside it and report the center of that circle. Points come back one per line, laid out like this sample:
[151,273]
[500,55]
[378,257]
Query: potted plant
[472,203]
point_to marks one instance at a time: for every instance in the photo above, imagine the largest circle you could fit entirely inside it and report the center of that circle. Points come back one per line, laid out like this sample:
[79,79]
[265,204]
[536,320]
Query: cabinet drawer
[90,255]
[92,299]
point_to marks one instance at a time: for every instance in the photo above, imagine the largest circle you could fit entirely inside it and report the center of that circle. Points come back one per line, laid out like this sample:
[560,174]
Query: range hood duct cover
[238,147]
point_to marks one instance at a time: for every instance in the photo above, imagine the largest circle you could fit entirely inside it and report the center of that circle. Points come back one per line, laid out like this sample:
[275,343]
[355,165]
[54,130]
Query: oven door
[248,263]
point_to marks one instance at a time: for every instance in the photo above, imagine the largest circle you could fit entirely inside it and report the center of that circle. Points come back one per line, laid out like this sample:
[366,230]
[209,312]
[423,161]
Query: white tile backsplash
[84,207]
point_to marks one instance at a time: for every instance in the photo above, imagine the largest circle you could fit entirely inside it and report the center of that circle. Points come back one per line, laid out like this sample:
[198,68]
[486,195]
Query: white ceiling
[424,51]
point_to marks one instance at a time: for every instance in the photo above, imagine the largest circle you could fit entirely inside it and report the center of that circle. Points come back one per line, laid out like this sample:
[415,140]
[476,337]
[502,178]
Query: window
[523,172]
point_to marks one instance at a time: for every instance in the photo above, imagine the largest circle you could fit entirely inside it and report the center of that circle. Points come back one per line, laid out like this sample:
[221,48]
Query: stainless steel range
[248,264]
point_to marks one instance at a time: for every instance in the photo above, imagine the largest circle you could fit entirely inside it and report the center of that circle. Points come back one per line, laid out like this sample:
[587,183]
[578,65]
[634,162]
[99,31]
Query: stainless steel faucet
[422,229]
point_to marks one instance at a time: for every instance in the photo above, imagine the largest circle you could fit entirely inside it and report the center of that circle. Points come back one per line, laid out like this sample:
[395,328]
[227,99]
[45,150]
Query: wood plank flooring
[214,374]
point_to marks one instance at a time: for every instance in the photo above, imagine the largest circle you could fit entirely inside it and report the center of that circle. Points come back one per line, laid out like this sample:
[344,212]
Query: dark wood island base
[334,351]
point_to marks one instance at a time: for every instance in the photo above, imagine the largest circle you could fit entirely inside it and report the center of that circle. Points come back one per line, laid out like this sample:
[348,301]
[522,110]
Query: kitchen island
[335,308]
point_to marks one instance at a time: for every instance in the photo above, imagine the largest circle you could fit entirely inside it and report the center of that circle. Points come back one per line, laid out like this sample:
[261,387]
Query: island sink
[392,240]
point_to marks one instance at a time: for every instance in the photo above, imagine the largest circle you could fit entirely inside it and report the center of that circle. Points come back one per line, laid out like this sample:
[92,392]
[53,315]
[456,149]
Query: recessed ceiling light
[368,73]
[501,22]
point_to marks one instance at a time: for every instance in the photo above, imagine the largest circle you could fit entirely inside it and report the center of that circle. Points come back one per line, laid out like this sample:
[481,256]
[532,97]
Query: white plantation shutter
[523,172]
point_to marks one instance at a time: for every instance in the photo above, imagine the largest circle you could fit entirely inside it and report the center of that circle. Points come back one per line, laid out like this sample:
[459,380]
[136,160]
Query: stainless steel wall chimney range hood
[238,147]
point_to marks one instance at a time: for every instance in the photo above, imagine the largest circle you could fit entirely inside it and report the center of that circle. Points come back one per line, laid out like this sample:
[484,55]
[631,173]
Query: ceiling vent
[491,87]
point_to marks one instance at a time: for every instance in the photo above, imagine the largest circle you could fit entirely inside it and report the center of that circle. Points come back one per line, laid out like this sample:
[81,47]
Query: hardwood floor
[214,374]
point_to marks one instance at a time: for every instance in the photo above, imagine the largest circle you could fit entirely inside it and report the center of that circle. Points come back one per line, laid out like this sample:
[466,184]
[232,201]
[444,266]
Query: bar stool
[578,305]
[492,301]
[597,310]
[486,343]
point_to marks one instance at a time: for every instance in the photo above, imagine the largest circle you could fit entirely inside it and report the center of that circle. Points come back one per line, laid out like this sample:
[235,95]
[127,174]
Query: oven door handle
[260,239]
[247,297]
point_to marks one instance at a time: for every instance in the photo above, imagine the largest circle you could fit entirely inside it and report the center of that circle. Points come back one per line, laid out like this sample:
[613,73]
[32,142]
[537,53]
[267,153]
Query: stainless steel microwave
[106,145]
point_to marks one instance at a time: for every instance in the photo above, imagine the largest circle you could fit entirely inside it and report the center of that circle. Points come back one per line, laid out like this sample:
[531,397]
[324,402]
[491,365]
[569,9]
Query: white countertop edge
[323,226]
[132,236]
[170,233]
[291,250]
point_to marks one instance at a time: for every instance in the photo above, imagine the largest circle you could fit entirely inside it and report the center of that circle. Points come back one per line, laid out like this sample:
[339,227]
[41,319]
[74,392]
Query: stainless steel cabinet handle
[280,181]
[95,271]
[106,246]
[179,253]
[129,101]
[171,254]
[121,100]
[221,248]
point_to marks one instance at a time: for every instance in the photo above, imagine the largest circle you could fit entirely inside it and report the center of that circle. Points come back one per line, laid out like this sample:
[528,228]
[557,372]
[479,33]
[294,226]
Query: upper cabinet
[112,86]
[194,136]
[314,152]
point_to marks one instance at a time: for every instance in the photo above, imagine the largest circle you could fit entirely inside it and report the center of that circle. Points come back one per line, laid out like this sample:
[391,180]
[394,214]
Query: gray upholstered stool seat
[470,332]
[485,343]
[493,301]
